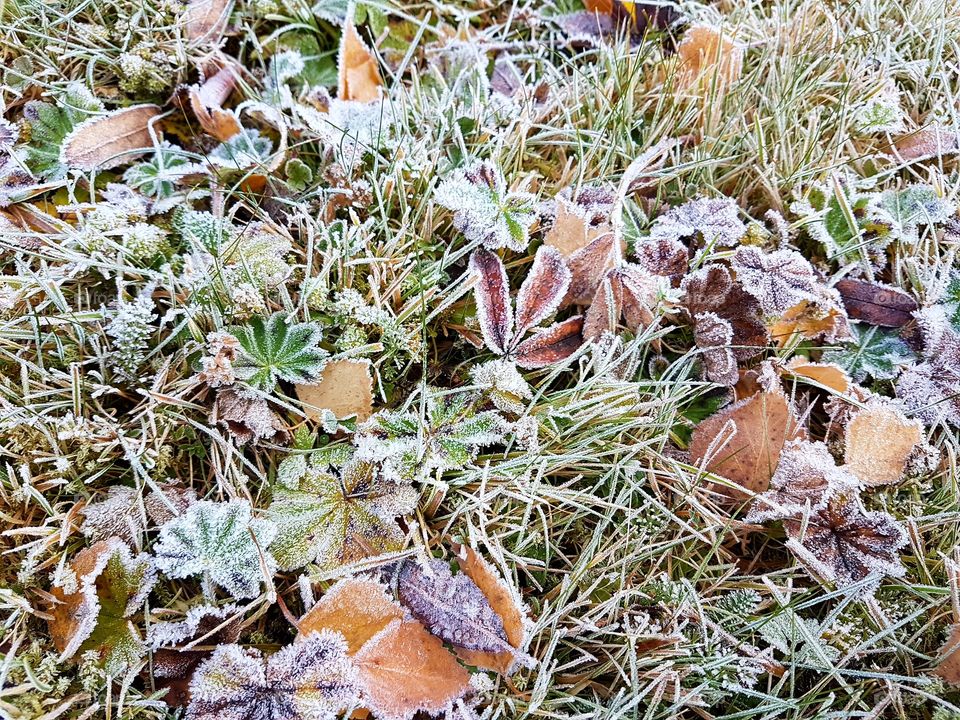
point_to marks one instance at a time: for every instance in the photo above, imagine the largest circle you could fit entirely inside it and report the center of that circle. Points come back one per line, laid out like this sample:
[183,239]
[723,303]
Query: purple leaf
[541,293]
[492,292]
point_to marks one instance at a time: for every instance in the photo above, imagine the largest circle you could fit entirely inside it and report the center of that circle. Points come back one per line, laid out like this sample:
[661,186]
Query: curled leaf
[551,345]
[544,287]
[205,20]
[492,292]
[826,374]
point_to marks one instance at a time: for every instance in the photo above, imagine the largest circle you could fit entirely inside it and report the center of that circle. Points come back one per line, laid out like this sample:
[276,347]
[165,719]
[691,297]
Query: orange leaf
[206,19]
[110,140]
[571,230]
[707,54]
[810,321]
[357,609]
[828,374]
[404,669]
[345,388]
[743,441]
[879,441]
[358,75]
[206,102]
[504,602]
[948,665]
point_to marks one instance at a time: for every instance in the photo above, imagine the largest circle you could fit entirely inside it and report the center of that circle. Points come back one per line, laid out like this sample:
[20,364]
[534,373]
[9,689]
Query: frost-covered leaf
[504,384]
[715,220]
[879,440]
[779,280]
[358,75]
[222,543]
[121,514]
[800,639]
[550,345]
[109,140]
[275,349]
[916,206]
[806,477]
[927,142]
[665,256]
[206,101]
[826,374]
[159,176]
[847,544]
[311,679]
[711,289]
[714,336]
[108,586]
[356,609]
[244,151]
[345,389]
[873,352]
[484,210]
[492,293]
[579,220]
[247,417]
[205,20]
[875,303]
[708,55]
[544,287]
[588,266]
[334,520]
[404,669]
[51,122]
[948,659]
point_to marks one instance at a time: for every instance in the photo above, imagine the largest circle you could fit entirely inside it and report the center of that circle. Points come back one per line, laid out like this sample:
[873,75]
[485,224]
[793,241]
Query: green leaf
[299,174]
[273,349]
[873,351]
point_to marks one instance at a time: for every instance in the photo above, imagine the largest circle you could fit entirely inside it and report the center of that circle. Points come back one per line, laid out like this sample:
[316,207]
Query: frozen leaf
[550,345]
[579,220]
[826,374]
[544,287]
[589,266]
[356,609]
[916,206]
[715,220]
[311,679]
[206,101]
[712,290]
[404,669]
[275,349]
[116,515]
[948,659]
[452,607]
[109,586]
[806,478]
[799,638]
[667,256]
[51,122]
[333,520]
[221,542]
[505,386]
[714,336]
[875,303]
[109,140]
[873,352]
[484,210]
[879,439]
[492,292]
[743,441]
[932,391]
[345,388]
[205,20]
[847,544]
[928,142]
[779,280]
[708,54]
[824,318]
[247,417]
[358,76]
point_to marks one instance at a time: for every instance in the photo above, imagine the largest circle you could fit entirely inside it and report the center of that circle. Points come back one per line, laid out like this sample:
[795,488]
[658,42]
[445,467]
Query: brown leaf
[205,20]
[345,388]
[503,600]
[404,669]
[580,220]
[828,374]
[551,345]
[358,76]
[811,321]
[110,140]
[757,429]
[664,256]
[879,439]
[948,659]
[876,304]
[604,312]
[247,418]
[206,102]
[492,292]
[707,54]
[932,141]
[357,609]
[542,290]
[588,266]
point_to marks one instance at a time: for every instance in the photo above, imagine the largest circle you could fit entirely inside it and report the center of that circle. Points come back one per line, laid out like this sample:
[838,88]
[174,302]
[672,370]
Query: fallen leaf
[811,320]
[550,345]
[879,439]
[345,388]
[876,304]
[588,266]
[358,76]
[828,374]
[932,141]
[404,670]
[707,53]
[578,222]
[205,20]
[357,609]
[542,290]
[206,101]
[109,140]
[743,442]
[948,659]
[492,293]
[247,418]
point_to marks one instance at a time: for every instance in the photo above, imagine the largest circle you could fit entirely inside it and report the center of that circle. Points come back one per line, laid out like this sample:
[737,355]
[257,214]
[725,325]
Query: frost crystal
[312,679]
[798,638]
[484,211]
[504,384]
[216,540]
[131,327]
[779,280]
[716,220]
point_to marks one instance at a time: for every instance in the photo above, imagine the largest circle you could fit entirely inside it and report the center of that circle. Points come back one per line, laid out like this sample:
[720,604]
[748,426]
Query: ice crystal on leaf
[275,349]
[311,679]
[484,210]
[714,336]
[247,417]
[51,122]
[715,220]
[779,280]
[335,519]
[871,352]
[504,384]
[131,327]
[914,207]
[221,542]
[203,229]
[159,177]
[799,639]
[244,151]
[847,544]
[122,515]
[109,585]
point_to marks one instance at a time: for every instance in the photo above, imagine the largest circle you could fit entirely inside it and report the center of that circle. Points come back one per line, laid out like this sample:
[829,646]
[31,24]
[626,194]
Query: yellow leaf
[358,74]
[345,388]
[827,374]
[357,609]
[110,140]
[571,231]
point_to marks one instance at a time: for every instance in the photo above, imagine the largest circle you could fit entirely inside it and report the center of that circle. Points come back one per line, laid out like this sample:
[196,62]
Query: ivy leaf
[311,679]
[873,352]
[273,349]
[108,586]
[216,540]
[334,520]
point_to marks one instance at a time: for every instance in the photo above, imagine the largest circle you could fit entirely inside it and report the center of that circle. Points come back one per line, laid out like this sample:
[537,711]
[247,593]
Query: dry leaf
[247,418]
[810,321]
[948,659]
[205,20]
[743,442]
[345,388]
[550,345]
[358,75]
[707,53]
[404,669]
[357,609]
[876,304]
[110,140]
[827,374]
[578,222]
[879,439]
[931,141]
[206,101]
[588,266]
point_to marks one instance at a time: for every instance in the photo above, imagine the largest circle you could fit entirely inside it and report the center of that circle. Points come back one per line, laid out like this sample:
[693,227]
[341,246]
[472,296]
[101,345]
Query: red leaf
[557,342]
[876,304]
[492,292]
[587,267]
[544,288]
[603,315]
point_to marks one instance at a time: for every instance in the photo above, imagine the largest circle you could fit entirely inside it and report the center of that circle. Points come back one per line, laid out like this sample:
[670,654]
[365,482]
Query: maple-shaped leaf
[540,295]
[807,477]
[779,280]
[221,542]
[872,352]
[355,608]
[716,221]
[879,440]
[172,664]
[335,519]
[311,679]
[449,436]
[484,210]
[108,586]
[847,544]
[273,349]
